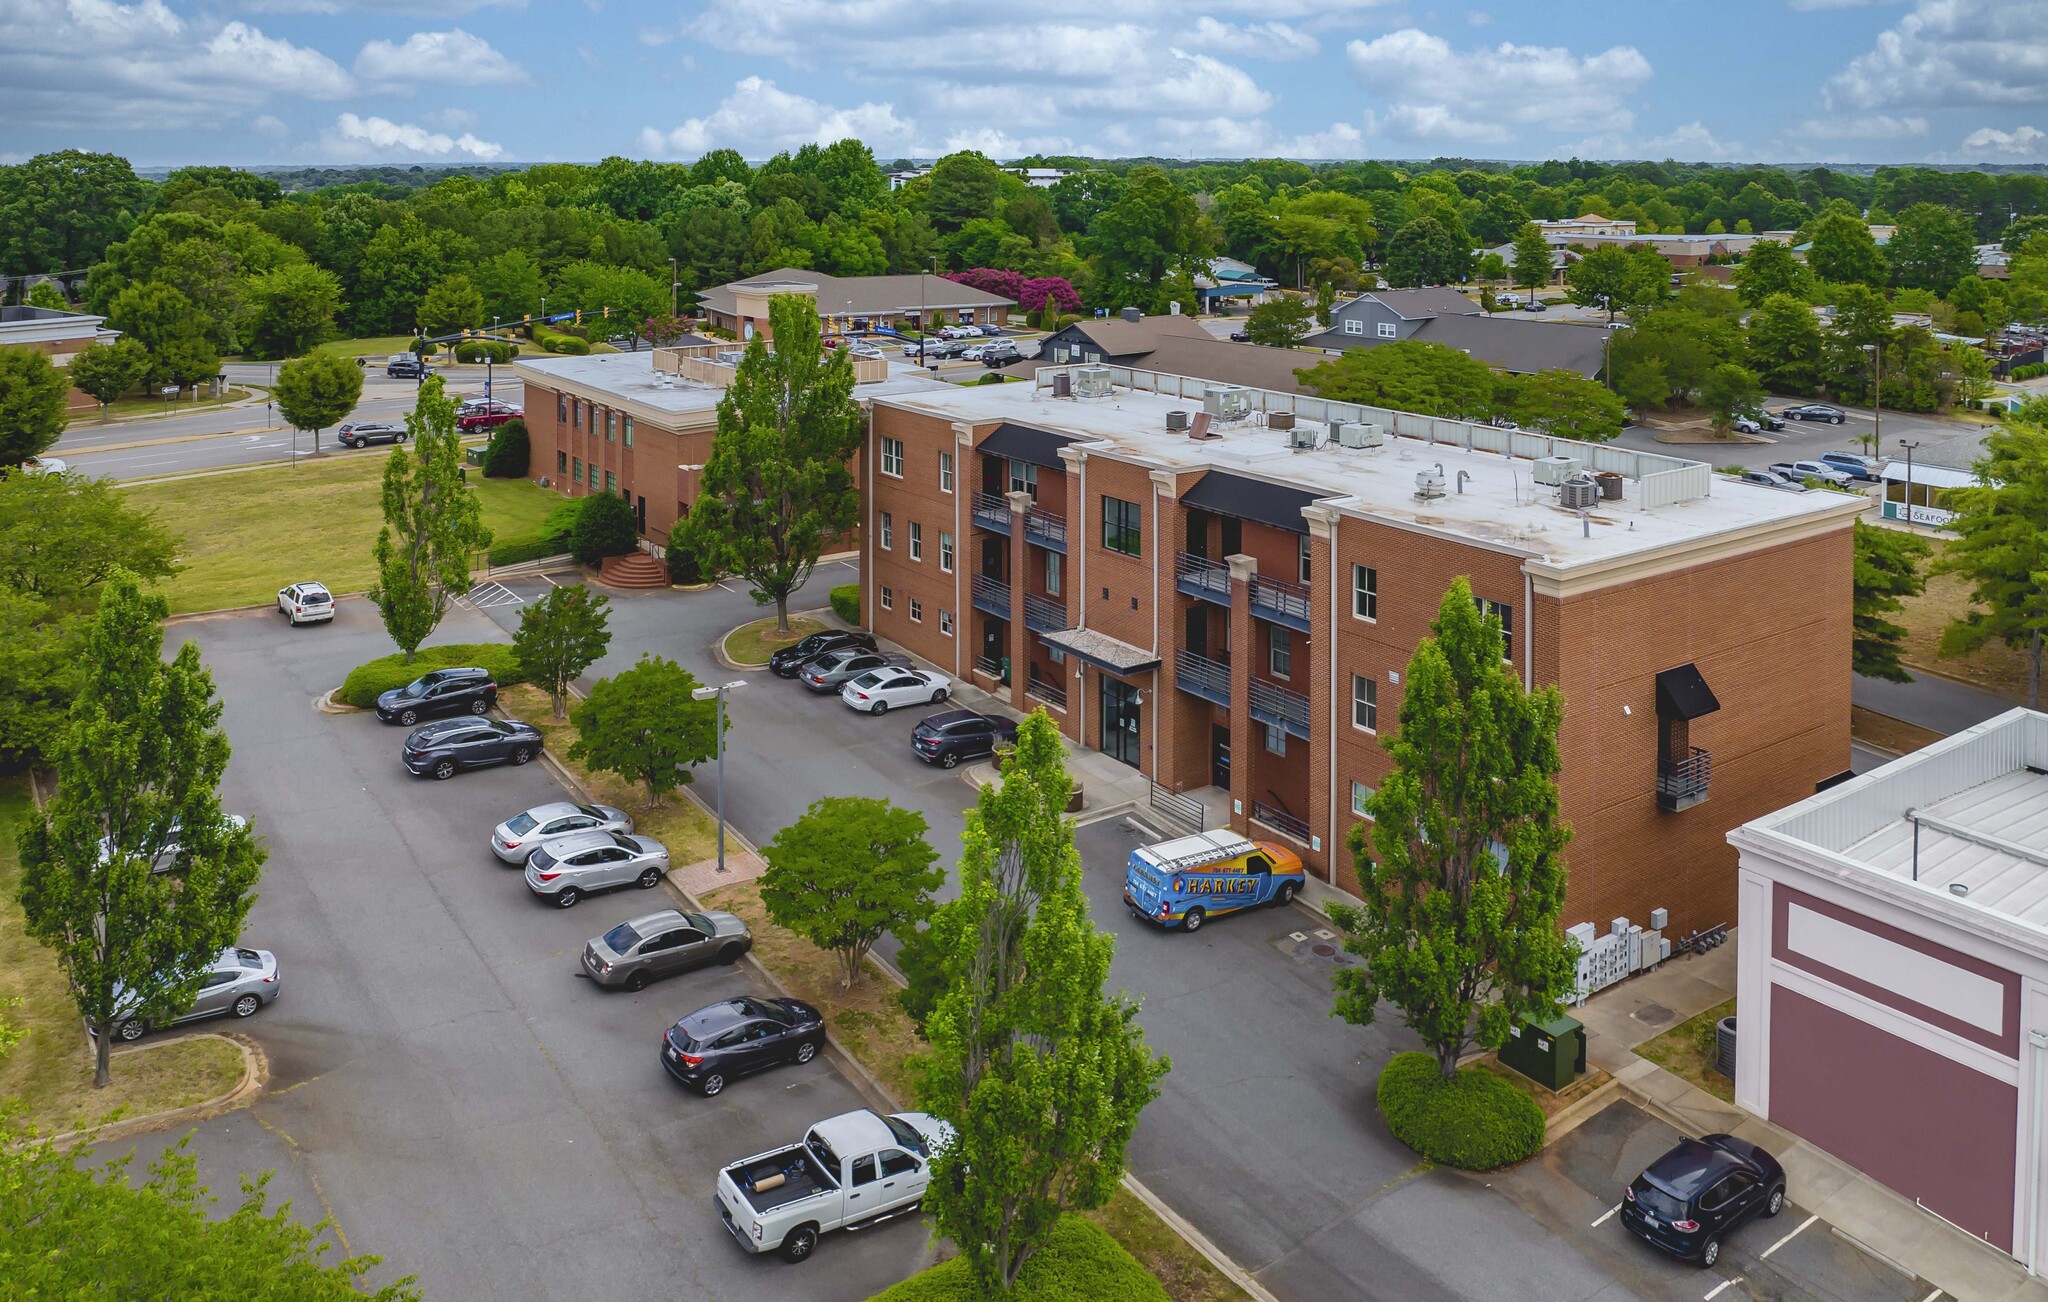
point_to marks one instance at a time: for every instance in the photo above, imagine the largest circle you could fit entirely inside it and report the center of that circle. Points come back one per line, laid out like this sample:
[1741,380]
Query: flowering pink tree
[1029,293]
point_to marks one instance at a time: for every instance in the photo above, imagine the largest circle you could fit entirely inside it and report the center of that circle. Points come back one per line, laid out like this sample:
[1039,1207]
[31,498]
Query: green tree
[1426,252]
[1282,323]
[1933,248]
[43,294]
[1972,372]
[106,371]
[1491,266]
[1500,217]
[849,872]
[1618,279]
[1842,251]
[62,536]
[138,770]
[604,527]
[163,321]
[433,524]
[35,401]
[290,309]
[1770,268]
[1534,261]
[1152,226]
[776,488]
[1568,405]
[1728,391]
[509,452]
[2000,546]
[453,303]
[2022,230]
[1408,375]
[646,725]
[510,285]
[1462,866]
[38,675]
[60,211]
[560,636]
[627,293]
[962,187]
[1887,569]
[1785,344]
[1041,1074]
[317,390]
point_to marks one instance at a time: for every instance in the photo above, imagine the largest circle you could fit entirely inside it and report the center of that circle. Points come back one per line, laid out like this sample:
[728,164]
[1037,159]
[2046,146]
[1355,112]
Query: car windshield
[621,938]
[1658,1202]
[499,726]
[595,813]
[700,922]
[414,689]
[625,842]
[906,1135]
[520,824]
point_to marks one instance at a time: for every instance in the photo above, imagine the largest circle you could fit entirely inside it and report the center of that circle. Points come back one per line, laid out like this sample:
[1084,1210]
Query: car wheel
[408,717]
[566,897]
[1776,1202]
[479,706]
[247,1005]
[638,981]
[444,770]
[1838,420]
[713,1084]
[731,953]
[949,760]
[938,696]
[799,1243]
[881,707]
[131,1031]
[649,879]
[1710,1251]
[521,754]
[1287,894]
[807,1051]
[1192,920]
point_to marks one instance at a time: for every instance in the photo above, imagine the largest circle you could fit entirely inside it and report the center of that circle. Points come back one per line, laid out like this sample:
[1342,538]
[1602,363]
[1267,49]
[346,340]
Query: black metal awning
[1683,694]
[1026,443]
[1250,499]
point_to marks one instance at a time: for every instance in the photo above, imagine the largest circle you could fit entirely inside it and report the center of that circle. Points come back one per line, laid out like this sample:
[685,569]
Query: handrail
[1201,676]
[1278,596]
[1043,614]
[1201,572]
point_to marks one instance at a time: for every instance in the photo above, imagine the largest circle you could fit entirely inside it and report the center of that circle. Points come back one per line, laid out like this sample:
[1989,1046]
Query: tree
[163,321]
[849,872]
[1462,868]
[43,294]
[62,536]
[290,309]
[1728,391]
[433,523]
[962,187]
[630,294]
[317,390]
[38,675]
[1972,372]
[1843,251]
[1785,345]
[1138,239]
[646,726]
[188,360]
[453,303]
[1618,279]
[60,211]
[1534,261]
[2020,231]
[1424,252]
[1933,248]
[1887,569]
[2000,546]
[1491,266]
[776,488]
[1408,375]
[560,636]
[138,770]
[510,285]
[509,452]
[604,527]
[35,399]
[1769,268]
[1041,1074]
[106,371]
[1500,217]
[1282,323]
[1568,405]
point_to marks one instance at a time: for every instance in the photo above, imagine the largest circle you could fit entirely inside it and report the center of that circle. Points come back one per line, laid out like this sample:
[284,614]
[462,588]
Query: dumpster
[1551,1052]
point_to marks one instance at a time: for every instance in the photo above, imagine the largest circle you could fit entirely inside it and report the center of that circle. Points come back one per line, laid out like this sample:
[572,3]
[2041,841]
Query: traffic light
[607,314]
[579,316]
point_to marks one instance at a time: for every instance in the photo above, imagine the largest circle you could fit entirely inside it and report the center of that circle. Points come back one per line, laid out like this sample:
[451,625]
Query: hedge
[684,570]
[1474,1121]
[605,527]
[846,602]
[476,350]
[365,683]
[509,451]
[520,550]
[1081,1263]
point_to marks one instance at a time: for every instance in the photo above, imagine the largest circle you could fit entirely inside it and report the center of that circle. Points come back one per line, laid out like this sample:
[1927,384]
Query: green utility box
[1551,1053]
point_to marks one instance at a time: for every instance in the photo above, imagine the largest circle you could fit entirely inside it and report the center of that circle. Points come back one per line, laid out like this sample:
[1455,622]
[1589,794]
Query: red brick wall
[915,498]
[647,469]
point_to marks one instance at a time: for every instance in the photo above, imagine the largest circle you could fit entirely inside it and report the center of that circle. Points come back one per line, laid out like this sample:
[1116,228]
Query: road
[1940,704]
[1942,442]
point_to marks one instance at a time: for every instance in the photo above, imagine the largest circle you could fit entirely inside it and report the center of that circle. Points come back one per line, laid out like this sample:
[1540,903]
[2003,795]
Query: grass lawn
[752,644]
[1551,1101]
[379,346]
[1686,1051]
[1887,732]
[131,407]
[50,1071]
[1995,667]
[250,533]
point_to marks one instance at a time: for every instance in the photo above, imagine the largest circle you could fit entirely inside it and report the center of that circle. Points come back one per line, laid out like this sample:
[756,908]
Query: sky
[247,82]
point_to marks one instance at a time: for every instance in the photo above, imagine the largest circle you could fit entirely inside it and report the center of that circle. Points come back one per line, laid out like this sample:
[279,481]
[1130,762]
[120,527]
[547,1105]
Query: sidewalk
[1883,1223]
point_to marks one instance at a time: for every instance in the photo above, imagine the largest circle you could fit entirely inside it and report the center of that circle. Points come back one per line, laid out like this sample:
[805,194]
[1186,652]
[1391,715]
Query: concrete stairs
[633,570]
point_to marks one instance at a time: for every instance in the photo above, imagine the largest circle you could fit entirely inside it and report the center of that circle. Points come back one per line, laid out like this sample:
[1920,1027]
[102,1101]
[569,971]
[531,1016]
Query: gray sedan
[515,839]
[661,944]
[239,982]
[595,861]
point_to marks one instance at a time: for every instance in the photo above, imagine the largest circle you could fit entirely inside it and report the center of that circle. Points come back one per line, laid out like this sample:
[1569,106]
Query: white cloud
[2009,146]
[1493,95]
[1252,40]
[760,118]
[1948,54]
[356,138]
[270,128]
[450,58]
[276,64]
[1872,126]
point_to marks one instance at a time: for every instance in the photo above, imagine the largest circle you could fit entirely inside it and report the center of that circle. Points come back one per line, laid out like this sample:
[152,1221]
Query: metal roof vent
[1430,483]
[1958,888]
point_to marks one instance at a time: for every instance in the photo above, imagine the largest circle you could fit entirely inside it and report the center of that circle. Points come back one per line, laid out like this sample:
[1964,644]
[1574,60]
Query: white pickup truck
[851,1171]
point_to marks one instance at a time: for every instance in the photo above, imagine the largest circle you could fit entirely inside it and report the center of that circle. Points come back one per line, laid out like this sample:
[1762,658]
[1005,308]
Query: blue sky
[337,81]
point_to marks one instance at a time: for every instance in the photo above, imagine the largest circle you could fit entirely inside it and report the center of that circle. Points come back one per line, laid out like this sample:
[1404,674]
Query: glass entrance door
[1119,714]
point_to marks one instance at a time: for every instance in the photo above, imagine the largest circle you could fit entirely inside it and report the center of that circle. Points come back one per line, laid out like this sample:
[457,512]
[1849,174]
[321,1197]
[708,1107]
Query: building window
[1507,623]
[1387,330]
[1024,478]
[916,541]
[577,475]
[1276,739]
[888,531]
[1279,651]
[1060,353]
[1052,574]
[945,552]
[561,463]
[626,429]
[1365,703]
[611,425]
[916,611]
[1120,531]
[611,482]
[1353,326]
[1304,576]
[561,409]
[1365,592]
[946,622]
[1361,800]
[576,414]
[892,457]
[945,472]
[888,598]
[1056,655]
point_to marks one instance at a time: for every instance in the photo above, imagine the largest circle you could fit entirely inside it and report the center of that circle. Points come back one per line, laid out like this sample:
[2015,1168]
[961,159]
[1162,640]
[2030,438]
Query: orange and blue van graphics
[1209,874]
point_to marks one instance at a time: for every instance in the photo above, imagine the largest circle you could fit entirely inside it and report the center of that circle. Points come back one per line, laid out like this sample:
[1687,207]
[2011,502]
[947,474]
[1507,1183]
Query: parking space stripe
[1715,1291]
[1788,1238]
[1931,1296]
[1604,1215]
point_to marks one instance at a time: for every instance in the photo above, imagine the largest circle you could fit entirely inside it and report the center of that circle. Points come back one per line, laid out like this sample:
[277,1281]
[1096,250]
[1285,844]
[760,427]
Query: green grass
[1688,1051]
[1081,1263]
[155,406]
[378,346]
[365,683]
[247,534]
[752,644]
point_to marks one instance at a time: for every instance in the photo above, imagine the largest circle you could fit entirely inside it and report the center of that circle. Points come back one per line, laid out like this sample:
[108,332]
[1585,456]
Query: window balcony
[1281,602]
[991,596]
[1197,576]
[1045,689]
[1048,529]
[1200,676]
[1280,820]
[991,511]
[1279,707]
[1681,784]
[1043,614]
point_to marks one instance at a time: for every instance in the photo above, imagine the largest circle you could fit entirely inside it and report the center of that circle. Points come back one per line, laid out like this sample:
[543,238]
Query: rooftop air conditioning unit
[1280,420]
[1429,483]
[1302,438]
[1227,402]
[730,357]
[1092,381]
[1062,384]
[1578,493]
[1177,421]
[1357,434]
[1555,470]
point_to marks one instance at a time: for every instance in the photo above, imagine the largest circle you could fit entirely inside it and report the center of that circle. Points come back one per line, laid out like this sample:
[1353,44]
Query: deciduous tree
[1426,252]
[1785,344]
[849,872]
[1282,323]
[1887,568]
[1933,248]
[1728,391]
[604,527]
[2000,546]
[61,536]
[317,390]
[290,309]
[1408,375]
[647,726]
[433,524]
[106,371]
[452,303]
[34,404]
[560,636]
[1534,261]
[1618,279]
[1843,251]
[1770,268]
[1568,405]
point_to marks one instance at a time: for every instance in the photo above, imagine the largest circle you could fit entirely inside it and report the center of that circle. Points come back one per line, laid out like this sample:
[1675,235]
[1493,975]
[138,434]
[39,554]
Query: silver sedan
[515,839]
[660,944]
[595,861]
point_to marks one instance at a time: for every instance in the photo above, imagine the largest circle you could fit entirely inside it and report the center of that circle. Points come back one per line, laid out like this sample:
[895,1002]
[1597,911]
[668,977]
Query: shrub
[846,602]
[683,566]
[366,682]
[562,517]
[476,350]
[2029,371]
[519,550]
[571,346]
[604,527]
[1081,1263]
[1474,1121]
[509,452]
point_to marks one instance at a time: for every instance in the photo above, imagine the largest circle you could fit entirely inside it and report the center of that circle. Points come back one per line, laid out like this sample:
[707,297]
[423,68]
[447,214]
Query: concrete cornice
[1570,581]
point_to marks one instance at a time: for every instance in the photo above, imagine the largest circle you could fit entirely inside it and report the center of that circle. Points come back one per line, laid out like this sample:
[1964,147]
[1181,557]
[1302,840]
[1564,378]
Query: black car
[404,366]
[950,736]
[1240,337]
[1694,1196]
[786,662]
[716,1045]
[1814,411]
[363,433]
[1769,420]
[444,748]
[443,691]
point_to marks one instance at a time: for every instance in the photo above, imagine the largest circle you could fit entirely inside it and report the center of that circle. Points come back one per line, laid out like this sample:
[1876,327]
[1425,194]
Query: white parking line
[1604,1215]
[1788,1238]
[1715,1291]
[1931,1296]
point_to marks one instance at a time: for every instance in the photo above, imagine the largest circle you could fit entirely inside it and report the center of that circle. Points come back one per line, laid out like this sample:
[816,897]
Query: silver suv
[661,944]
[239,982]
[595,861]
[515,839]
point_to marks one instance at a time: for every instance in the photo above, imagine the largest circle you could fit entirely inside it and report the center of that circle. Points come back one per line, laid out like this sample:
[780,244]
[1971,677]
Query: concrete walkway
[1940,704]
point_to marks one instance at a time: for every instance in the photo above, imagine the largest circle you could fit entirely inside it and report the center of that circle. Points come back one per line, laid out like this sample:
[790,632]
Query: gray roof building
[1441,316]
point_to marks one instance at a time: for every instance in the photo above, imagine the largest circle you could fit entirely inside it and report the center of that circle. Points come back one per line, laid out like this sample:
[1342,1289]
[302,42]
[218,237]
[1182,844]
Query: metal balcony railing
[989,665]
[1681,784]
[1046,528]
[1198,675]
[1198,576]
[1280,601]
[1043,614]
[1280,820]
[1276,705]
[1045,689]
[991,511]
[991,596]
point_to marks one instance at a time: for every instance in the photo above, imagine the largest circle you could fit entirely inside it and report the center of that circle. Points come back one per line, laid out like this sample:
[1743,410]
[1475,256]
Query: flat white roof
[630,377]
[1934,476]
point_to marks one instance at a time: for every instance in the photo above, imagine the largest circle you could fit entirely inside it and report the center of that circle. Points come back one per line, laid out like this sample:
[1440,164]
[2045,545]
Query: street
[1940,441]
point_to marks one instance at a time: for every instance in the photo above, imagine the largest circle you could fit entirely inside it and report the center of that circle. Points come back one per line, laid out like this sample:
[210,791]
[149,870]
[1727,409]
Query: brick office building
[1233,616]
[59,335]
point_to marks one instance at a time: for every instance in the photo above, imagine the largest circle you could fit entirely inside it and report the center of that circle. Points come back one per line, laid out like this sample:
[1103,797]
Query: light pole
[1876,352]
[675,283]
[1909,446]
[718,693]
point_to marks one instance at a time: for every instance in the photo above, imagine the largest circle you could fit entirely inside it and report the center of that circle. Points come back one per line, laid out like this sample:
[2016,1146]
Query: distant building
[1506,342]
[59,334]
[1226,281]
[1173,344]
[1591,223]
[1036,177]
[853,303]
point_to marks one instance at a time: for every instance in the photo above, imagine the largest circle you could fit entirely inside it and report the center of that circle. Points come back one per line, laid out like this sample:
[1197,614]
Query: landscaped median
[1472,1120]
[750,645]
[366,682]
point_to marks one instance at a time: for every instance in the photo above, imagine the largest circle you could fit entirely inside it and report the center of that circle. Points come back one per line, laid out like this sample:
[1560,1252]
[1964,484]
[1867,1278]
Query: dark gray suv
[443,691]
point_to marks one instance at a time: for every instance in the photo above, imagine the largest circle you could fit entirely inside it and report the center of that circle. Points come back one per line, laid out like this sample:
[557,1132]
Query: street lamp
[675,283]
[1876,352]
[1909,446]
[718,693]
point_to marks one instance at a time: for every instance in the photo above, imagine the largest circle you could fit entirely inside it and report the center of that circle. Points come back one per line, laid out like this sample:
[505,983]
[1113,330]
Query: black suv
[950,736]
[404,366]
[786,662]
[1694,1196]
[443,691]
[452,744]
[364,433]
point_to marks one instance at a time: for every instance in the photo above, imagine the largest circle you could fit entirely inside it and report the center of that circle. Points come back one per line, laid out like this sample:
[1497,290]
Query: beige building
[849,304]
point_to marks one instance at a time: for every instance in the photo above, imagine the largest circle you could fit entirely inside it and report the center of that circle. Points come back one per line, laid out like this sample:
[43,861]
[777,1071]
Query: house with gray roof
[1441,316]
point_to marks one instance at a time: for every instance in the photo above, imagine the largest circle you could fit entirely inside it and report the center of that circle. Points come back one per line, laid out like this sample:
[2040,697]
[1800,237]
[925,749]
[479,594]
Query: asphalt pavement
[1941,441]
[1941,704]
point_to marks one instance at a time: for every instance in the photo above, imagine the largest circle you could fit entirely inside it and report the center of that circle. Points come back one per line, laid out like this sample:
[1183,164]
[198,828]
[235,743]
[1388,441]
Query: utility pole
[675,283]
[718,736]
[1876,351]
[1909,445]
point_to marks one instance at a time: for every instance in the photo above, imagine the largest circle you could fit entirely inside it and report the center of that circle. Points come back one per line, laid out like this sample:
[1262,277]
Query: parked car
[404,366]
[1746,425]
[861,348]
[44,465]
[444,748]
[239,982]
[1772,479]
[950,736]
[1855,465]
[1689,1200]
[1000,353]
[1535,305]
[515,839]
[715,1046]
[656,945]
[834,669]
[167,854]
[466,690]
[790,660]
[489,416]
[1800,471]
[875,691]
[1814,411]
[1240,337]
[362,434]
[306,603]
[855,1169]
[595,861]
[1767,419]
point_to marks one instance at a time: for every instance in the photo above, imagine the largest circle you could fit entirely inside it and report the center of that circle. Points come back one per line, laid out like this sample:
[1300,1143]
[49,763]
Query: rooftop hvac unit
[1177,421]
[1227,402]
[731,357]
[1091,381]
[1429,483]
[1555,470]
[1357,434]
[1578,493]
[1062,385]
[1281,420]
[1302,438]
